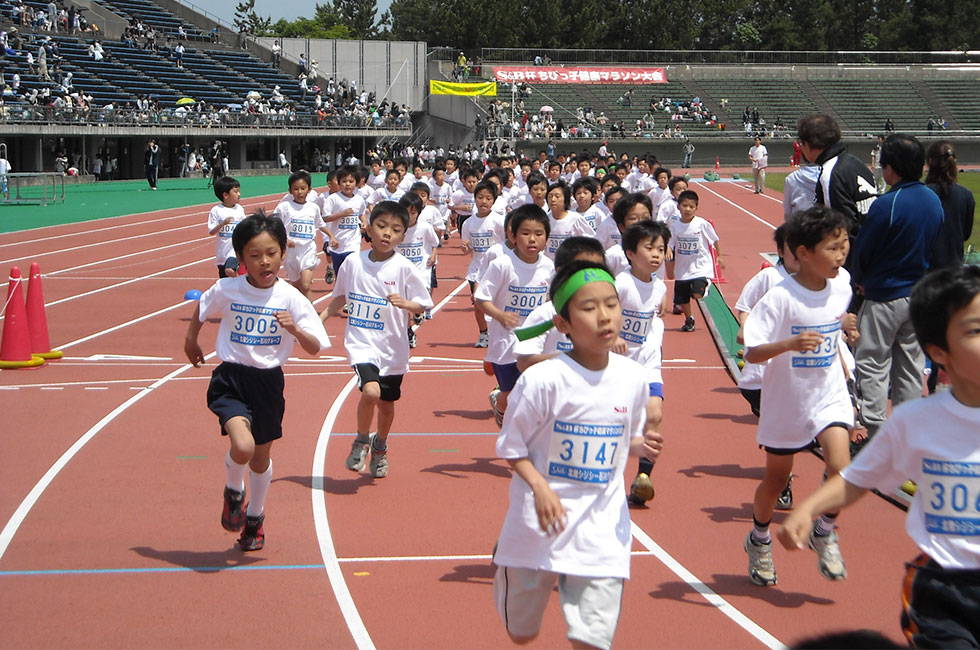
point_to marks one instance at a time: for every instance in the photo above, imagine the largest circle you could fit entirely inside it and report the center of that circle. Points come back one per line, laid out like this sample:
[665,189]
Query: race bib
[951,498]
[352,222]
[301,229]
[824,355]
[251,325]
[414,252]
[686,246]
[584,452]
[523,300]
[554,241]
[481,242]
[636,324]
[227,229]
[366,312]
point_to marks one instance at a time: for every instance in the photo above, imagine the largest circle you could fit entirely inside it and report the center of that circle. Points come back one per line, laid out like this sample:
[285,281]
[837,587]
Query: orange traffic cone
[15,346]
[717,162]
[36,318]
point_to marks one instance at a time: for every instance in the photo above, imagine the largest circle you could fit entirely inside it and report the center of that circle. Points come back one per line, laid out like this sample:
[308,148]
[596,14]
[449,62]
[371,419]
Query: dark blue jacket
[893,250]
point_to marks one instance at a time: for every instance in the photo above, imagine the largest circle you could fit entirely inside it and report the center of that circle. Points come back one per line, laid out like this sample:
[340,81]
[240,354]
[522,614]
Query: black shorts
[684,290]
[754,397]
[433,282]
[391,385]
[940,607]
[230,263]
[255,394]
[813,444]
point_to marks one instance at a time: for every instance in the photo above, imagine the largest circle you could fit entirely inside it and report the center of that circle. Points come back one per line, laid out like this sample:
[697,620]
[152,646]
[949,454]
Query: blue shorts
[337,259]
[506,374]
[656,389]
[230,263]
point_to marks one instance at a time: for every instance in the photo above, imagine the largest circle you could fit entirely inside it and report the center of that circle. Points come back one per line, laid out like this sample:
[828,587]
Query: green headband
[575,282]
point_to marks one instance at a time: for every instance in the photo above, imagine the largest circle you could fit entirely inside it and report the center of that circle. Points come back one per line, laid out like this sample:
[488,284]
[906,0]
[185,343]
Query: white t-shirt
[515,287]
[420,240]
[347,230]
[481,233]
[692,243]
[802,392]
[658,197]
[752,292]
[668,212]
[571,225]
[760,156]
[5,166]
[593,216]
[302,220]
[932,441]
[406,183]
[219,213]
[375,329]
[433,217]
[608,233]
[547,343]
[382,194]
[800,189]
[440,196]
[575,425]
[249,333]
[643,327]
[375,182]
[518,198]
[464,200]
[311,196]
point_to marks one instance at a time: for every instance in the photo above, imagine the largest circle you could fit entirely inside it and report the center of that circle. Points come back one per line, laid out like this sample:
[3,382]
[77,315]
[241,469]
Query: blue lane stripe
[176,569]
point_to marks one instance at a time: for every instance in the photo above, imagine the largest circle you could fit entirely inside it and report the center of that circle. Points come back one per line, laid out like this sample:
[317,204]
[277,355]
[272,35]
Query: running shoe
[688,325]
[483,341]
[785,500]
[357,456]
[329,276]
[233,511]
[677,310]
[641,490]
[379,461]
[761,569]
[253,535]
[498,415]
[412,342]
[428,314]
[418,318]
[829,559]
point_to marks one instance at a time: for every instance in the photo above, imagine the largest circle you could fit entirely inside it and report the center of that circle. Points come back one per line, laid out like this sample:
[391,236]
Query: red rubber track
[123,547]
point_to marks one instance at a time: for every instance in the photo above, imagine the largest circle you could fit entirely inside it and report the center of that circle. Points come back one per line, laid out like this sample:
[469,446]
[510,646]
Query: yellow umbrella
[186,101]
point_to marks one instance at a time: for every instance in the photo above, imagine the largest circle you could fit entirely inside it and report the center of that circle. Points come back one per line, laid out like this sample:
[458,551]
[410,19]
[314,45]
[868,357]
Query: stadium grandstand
[100,77]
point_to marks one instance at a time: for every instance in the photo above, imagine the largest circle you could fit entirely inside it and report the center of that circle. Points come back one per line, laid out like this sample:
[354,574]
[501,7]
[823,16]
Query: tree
[246,17]
[358,15]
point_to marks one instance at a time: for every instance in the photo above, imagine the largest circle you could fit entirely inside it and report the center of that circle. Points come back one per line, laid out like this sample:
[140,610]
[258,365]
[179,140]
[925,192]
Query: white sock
[235,474]
[258,487]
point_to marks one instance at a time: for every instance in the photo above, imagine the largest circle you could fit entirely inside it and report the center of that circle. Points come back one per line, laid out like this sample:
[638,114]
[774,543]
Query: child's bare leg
[239,431]
[835,442]
[778,469]
[654,420]
[305,283]
[686,308]
[370,398]
[502,400]
[386,415]
[481,319]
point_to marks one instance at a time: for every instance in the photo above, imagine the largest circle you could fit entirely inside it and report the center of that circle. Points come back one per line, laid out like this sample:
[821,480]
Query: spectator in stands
[889,126]
[891,253]
[276,52]
[303,87]
[151,162]
[303,65]
[96,52]
[845,183]
[179,54]
[243,36]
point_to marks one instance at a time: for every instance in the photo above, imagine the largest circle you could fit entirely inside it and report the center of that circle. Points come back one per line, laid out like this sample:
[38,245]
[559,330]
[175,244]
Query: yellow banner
[469,90]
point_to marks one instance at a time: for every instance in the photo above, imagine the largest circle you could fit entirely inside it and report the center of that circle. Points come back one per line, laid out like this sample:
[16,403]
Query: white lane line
[345,601]
[765,196]
[136,254]
[444,558]
[60,251]
[751,214]
[13,524]
[121,325]
[706,592]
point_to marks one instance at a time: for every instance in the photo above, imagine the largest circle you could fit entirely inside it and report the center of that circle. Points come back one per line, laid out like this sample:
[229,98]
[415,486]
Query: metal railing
[491,55]
[39,188]
[168,118]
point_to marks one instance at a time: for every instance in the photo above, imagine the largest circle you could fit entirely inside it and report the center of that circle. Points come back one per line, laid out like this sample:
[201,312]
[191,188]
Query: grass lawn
[969,180]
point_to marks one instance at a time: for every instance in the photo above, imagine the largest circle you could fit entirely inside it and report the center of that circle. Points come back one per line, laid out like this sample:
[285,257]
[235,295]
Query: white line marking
[680,360]
[421,359]
[13,524]
[355,624]
[124,357]
[96,388]
[754,216]
[52,388]
[706,592]
[181,244]
[445,558]
[59,251]
[121,325]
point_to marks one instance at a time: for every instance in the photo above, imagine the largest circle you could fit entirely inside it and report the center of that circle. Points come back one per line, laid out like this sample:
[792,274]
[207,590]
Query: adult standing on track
[958,204]
[759,156]
[151,161]
[892,252]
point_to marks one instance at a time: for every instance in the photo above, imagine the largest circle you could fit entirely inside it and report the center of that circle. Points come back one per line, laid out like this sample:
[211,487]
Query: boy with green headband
[571,423]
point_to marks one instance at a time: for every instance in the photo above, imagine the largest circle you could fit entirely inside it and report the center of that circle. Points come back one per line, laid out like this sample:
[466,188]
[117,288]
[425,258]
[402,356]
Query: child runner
[934,441]
[390,191]
[478,234]
[567,433]
[344,213]
[643,299]
[669,210]
[585,192]
[302,219]
[564,223]
[534,348]
[461,203]
[661,191]
[246,389]
[440,192]
[222,221]
[630,209]
[608,232]
[513,285]
[420,246]
[691,265]
[382,288]
[796,328]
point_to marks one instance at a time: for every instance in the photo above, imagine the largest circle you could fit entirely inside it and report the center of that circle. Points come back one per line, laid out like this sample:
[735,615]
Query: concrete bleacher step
[937,103]
[819,100]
